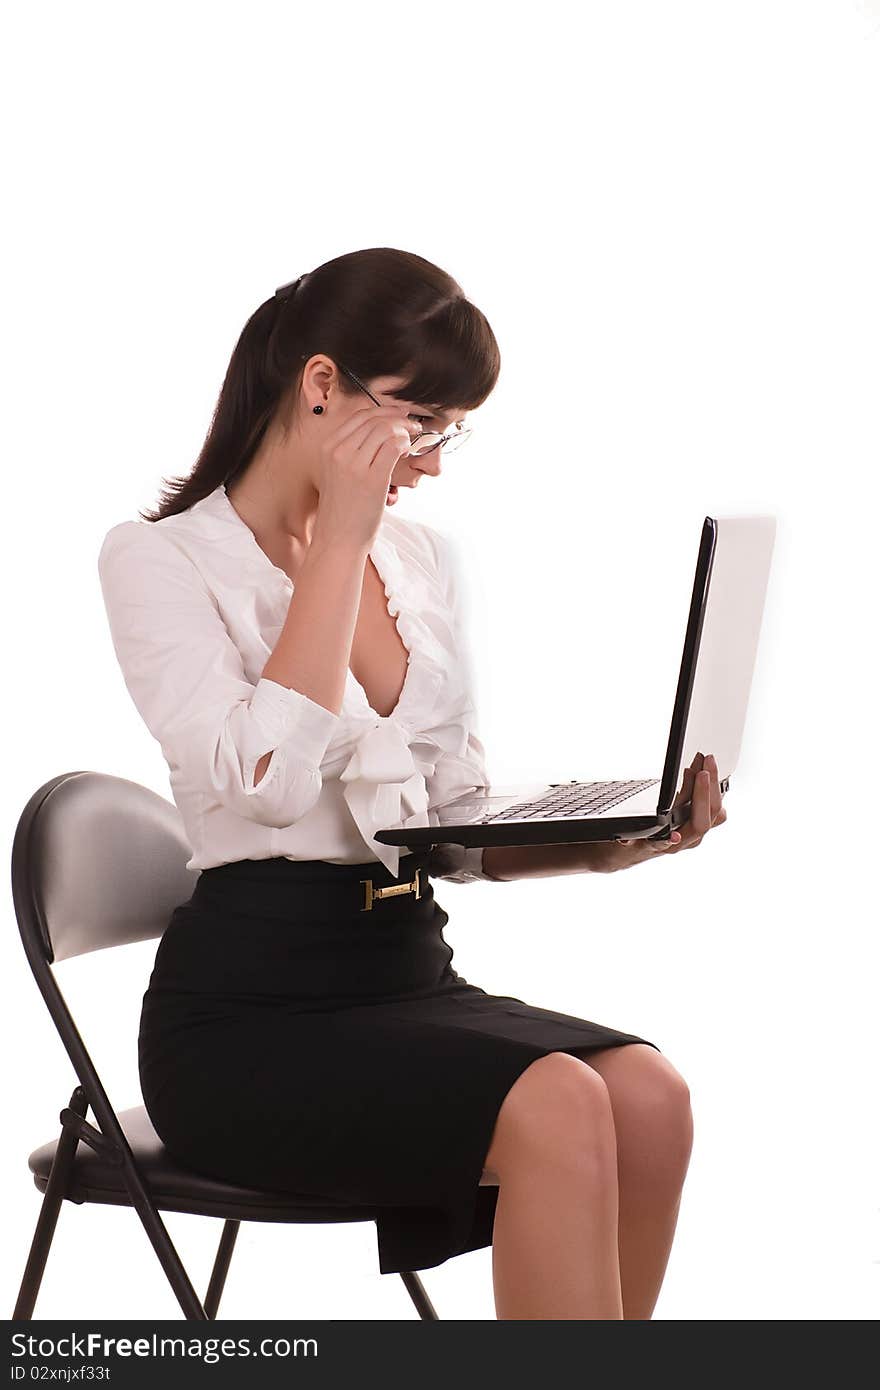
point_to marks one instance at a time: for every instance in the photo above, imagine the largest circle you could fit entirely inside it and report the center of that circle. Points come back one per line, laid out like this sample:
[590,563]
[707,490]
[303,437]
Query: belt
[278,888]
[372,894]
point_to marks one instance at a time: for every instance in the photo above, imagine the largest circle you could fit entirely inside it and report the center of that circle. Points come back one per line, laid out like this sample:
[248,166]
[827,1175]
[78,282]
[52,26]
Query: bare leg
[555,1242]
[654,1130]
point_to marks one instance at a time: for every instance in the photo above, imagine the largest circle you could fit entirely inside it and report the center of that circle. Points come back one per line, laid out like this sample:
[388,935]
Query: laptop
[708,716]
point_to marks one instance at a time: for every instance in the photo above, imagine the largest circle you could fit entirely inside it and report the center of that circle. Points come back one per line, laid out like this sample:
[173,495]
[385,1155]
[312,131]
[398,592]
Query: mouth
[393,487]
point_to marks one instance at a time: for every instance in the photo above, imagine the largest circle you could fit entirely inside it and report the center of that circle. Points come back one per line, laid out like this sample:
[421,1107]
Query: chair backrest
[97,861]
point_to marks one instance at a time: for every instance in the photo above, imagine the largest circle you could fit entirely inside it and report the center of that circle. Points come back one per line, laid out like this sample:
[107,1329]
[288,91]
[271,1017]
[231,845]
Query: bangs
[452,359]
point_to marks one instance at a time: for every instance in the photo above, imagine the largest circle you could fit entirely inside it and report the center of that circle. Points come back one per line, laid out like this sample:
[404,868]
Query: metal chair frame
[59,819]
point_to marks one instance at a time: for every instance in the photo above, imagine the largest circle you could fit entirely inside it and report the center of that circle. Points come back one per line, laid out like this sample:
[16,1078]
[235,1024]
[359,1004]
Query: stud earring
[317,410]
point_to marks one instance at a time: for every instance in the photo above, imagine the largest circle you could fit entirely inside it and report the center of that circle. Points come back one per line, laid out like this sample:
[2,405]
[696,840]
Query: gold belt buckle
[373,893]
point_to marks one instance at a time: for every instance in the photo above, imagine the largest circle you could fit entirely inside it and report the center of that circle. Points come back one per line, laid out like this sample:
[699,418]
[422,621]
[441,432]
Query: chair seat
[177,1188]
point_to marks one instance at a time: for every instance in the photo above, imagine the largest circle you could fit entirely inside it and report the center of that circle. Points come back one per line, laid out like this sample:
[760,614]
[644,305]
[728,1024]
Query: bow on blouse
[386,777]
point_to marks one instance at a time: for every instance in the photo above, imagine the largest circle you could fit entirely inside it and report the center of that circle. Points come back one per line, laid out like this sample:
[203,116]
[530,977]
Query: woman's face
[408,470]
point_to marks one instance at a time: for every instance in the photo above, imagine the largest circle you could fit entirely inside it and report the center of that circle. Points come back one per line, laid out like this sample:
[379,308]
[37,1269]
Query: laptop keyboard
[573,799]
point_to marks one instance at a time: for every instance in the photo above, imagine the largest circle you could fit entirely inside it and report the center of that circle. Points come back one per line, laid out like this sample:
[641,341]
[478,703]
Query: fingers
[700,787]
[687,781]
[715,807]
[701,805]
[656,846]
[365,417]
[706,807]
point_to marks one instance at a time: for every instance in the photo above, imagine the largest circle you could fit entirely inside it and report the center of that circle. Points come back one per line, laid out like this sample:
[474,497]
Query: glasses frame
[461,435]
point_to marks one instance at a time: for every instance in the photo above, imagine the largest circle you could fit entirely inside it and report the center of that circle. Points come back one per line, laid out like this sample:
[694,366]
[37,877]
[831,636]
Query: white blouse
[195,608]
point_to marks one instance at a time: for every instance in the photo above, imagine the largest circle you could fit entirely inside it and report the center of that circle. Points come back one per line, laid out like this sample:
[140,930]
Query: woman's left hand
[699,786]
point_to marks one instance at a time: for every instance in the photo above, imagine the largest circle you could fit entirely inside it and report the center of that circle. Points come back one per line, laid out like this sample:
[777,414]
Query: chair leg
[56,1188]
[165,1249]
[419,1295]
[221,1267]
[56,1191]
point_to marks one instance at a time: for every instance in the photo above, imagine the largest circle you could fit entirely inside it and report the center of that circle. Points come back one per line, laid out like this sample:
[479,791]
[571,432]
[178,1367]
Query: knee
[557,1112]
[654,1103]
[669,1096]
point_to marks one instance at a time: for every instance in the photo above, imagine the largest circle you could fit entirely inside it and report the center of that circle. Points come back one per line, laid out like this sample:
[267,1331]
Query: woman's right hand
[357,460]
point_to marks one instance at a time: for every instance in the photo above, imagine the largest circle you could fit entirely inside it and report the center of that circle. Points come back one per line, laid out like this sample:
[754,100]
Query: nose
[428,463]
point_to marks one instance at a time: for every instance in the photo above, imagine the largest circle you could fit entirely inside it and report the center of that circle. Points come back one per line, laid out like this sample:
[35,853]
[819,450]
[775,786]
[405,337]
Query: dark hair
[379,312]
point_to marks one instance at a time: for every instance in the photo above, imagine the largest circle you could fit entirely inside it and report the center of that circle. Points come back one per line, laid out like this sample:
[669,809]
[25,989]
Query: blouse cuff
[280,710]
[458,864]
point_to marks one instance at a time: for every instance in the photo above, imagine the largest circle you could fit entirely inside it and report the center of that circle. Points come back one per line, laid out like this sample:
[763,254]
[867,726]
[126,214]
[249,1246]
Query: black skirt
[293,1041]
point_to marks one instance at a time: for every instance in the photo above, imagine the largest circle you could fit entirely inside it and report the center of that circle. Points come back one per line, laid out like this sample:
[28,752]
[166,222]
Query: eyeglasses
[427,439]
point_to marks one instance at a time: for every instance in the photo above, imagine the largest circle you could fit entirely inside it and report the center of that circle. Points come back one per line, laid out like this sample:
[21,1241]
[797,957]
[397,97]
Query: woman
[300,654]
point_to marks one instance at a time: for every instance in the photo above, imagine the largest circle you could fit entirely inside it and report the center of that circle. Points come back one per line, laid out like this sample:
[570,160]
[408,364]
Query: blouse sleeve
[454,775]
[187,680]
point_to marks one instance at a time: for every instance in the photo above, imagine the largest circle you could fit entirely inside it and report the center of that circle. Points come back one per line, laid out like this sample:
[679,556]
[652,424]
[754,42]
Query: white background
[669,214]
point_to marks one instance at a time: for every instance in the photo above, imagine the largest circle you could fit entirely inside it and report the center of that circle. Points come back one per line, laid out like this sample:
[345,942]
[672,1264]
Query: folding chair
[100,861]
